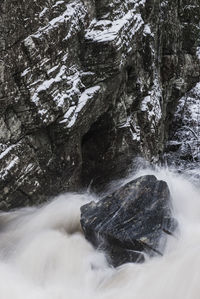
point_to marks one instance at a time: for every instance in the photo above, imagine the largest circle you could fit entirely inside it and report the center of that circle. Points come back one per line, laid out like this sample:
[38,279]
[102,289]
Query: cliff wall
[86,86]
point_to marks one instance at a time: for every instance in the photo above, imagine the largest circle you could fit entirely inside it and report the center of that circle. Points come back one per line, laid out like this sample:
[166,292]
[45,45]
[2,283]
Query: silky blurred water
[44,255]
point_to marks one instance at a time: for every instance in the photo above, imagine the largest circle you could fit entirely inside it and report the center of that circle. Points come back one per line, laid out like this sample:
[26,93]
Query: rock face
[131,222]
[85,86]
[183,147]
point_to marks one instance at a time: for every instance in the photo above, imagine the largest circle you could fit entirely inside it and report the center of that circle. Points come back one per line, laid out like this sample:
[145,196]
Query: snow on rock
[198,53]
[189,106]
[133,127]
[5,152]
[147,30]
[58,80]
[151,105]
[120,30]
[184,143]
[98,68]
[72,114]
[60,83]
[135,131]
[106,31]
[59,97]
[74,13]
[5,171]
[42,13]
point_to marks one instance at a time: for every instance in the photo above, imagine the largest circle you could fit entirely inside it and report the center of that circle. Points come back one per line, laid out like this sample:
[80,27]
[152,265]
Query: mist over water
[44,255]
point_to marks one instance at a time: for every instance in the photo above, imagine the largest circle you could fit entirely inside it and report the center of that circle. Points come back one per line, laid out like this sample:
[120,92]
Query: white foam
[44,255]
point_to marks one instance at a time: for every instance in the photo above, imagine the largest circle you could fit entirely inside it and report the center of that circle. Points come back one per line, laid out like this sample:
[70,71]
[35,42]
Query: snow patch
[73,111]
[4,153]
[58,3]
[47,84]
[75,13]
[53,69]
[136,133]
[198,53]
[151,105]
[188,132]
[43,12]
[147,30]
[106,31]
[25,72]
[5,171]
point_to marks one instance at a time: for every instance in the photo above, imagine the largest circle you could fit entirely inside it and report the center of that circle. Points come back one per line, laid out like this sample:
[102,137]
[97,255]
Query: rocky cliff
[183,146]
[85,86]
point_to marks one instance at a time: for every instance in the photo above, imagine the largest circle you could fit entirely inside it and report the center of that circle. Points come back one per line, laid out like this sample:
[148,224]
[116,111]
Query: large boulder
[132,222]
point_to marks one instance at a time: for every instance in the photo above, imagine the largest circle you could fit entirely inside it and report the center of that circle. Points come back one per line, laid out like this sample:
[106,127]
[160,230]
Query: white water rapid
[43,254]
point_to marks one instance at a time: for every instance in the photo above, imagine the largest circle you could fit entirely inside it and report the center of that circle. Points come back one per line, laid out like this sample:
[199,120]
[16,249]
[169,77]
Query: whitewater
[44,255]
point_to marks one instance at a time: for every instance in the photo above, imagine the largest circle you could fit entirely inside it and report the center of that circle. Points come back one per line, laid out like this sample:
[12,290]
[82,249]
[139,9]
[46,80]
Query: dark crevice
[97,151]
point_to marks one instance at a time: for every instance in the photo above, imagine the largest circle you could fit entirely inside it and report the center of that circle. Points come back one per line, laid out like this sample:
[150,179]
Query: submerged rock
[131,222]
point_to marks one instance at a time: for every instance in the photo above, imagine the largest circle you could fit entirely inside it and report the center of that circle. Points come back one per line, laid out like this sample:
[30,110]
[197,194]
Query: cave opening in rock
[97,152]
[107,153]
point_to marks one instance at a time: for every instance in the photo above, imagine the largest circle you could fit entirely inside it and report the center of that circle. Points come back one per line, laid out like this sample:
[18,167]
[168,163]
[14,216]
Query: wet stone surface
[132,222]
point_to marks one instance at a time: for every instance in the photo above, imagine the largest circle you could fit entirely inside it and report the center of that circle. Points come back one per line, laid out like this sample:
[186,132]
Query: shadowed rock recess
[131,222]
[86,86]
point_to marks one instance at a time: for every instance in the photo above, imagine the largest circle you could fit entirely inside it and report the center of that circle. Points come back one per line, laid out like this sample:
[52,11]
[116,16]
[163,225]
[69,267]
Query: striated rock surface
[131,222]
[183,146]
[85,86]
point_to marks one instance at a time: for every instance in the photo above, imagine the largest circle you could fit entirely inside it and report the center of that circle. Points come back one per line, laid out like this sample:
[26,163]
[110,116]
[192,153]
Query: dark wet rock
[133,221]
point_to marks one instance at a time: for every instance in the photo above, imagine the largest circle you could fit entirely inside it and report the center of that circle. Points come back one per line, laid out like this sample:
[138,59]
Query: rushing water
[43,254]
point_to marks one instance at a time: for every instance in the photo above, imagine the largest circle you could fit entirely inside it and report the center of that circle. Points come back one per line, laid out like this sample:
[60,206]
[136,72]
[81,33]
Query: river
[44,255]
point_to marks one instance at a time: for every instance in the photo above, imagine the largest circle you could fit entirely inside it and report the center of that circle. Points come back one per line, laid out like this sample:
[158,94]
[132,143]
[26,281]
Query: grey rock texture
[131,222]
[183,146]
[85,86]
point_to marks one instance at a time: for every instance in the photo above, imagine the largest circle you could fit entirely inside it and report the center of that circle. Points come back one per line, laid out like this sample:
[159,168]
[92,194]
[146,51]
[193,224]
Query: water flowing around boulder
[131,222]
